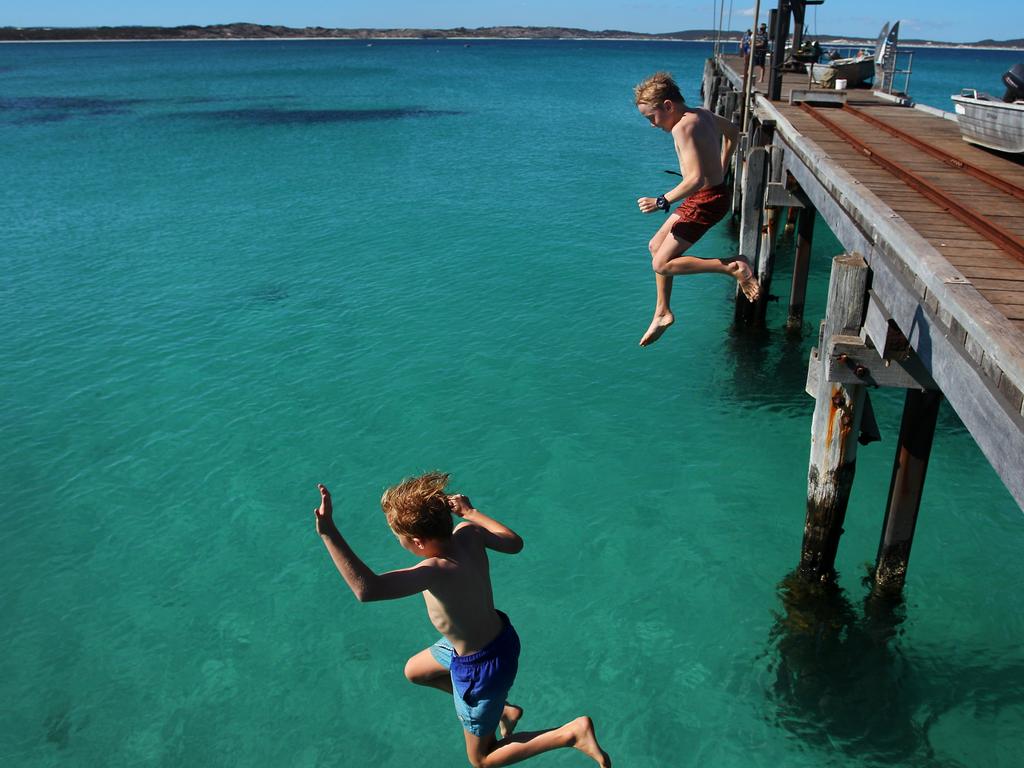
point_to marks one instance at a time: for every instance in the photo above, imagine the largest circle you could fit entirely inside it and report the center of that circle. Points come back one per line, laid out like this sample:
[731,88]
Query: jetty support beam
[920,414]
[769,232]
[835,425]
[755,178]
[801,266]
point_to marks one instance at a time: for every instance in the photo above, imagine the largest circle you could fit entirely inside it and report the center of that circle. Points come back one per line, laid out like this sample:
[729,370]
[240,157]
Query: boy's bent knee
[415,673]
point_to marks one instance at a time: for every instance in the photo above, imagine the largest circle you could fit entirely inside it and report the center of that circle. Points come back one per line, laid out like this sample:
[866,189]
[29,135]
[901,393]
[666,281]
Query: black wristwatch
[661,203]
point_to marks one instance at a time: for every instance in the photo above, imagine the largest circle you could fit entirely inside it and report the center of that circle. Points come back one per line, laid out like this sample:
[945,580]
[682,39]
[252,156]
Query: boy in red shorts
[704,143]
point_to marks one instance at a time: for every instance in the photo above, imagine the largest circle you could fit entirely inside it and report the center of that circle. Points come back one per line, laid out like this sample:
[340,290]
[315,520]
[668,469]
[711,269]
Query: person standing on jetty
[477,657]
[704,143]
[761,49]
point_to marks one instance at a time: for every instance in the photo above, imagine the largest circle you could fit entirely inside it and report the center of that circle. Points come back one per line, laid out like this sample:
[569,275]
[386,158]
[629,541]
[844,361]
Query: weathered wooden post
[920,413]
[801,265]
[769,229]
[705,83]
[755,172]
[835,425]
[711,92]
[727,104]
[738,160]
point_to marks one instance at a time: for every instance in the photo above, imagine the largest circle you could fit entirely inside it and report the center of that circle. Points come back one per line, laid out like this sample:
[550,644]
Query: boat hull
[854,72]
[990,123]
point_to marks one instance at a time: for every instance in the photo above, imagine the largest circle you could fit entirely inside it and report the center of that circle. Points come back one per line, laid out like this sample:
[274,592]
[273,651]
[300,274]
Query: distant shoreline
[248,32]
[838,43]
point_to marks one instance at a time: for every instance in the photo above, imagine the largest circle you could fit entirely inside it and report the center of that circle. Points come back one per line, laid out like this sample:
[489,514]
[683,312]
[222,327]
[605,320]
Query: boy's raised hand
[325,512]
[459,504]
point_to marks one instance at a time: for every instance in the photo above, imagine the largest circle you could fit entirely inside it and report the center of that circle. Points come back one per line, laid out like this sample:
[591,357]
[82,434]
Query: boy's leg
[424,669]
[671,259]
[663,316]
[485,752]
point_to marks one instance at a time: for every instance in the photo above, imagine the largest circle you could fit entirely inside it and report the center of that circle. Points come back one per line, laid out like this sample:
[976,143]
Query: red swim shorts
[701,211]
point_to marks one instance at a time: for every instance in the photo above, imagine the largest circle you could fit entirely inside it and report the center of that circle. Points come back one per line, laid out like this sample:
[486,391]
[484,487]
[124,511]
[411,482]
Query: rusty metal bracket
[852,361]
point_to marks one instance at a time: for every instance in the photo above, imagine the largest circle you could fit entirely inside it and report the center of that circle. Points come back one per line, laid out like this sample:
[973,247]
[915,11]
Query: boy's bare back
[460,603]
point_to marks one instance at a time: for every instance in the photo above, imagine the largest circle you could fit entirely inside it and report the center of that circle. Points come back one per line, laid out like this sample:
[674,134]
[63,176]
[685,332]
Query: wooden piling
[755,179]
[705,83]
[920,414]
[801,266]
[835,425]
[769,230]
[738,163]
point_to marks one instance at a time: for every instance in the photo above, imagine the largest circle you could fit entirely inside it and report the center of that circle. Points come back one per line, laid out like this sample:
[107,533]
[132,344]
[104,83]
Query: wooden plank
[1010,311]
[996,285]
[1006,272]
[955,248]
[1005,297]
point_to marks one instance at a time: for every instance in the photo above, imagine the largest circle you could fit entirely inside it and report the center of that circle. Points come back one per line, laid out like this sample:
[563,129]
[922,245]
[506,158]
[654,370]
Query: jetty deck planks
[955,292]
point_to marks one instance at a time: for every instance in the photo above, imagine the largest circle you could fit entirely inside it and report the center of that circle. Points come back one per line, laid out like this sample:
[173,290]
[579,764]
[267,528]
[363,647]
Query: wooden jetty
[928,296]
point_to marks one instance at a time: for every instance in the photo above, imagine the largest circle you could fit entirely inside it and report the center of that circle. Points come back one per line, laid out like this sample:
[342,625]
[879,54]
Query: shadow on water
[841,682]
[279,116]
[769,369]
[51,109]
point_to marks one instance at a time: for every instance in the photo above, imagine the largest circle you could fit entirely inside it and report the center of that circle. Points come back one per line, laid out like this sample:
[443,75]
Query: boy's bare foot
[586,742]
[740,269]
[659,325]
[509,720]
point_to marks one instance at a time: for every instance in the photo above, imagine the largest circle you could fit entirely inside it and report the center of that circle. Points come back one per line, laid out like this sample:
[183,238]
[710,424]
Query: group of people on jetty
[476,659]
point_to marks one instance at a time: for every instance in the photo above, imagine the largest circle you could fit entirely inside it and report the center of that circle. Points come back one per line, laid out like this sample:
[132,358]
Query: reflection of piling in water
[842,682]
[838,682]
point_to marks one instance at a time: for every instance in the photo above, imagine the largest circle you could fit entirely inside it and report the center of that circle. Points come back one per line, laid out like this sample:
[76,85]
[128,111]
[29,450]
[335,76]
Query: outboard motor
[1014,79]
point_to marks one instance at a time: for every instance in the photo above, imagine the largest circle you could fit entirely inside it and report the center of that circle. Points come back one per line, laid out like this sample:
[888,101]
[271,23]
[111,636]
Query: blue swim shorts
[481,680]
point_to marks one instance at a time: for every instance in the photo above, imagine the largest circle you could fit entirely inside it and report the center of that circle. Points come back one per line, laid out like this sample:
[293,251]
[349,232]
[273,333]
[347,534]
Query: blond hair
[656,89]
[418,508]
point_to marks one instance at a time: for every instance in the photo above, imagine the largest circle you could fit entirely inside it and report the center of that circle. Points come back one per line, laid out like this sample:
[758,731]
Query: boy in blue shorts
[477,658]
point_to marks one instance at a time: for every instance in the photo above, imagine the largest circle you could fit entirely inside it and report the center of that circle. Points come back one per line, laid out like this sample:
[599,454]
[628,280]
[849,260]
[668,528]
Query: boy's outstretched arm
[364,583]
[497,536]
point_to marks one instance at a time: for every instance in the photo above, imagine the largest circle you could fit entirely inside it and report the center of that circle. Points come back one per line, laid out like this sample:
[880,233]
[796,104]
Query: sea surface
[231,270]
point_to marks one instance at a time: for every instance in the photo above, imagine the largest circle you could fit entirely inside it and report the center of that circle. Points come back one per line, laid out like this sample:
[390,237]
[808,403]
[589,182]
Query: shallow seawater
[232,270]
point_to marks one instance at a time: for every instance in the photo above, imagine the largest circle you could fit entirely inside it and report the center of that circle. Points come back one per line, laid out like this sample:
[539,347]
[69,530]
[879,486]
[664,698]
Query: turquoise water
[232,270]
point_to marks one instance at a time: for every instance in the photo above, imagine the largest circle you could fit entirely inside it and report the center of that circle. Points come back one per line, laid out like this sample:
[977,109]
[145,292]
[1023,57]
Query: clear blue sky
[929,19]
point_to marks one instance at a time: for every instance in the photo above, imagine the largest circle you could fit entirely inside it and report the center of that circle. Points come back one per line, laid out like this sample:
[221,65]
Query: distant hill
[243,30]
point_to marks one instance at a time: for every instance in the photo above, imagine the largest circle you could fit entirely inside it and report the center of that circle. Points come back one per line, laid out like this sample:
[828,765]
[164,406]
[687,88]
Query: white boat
[856,70]
[991,122]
